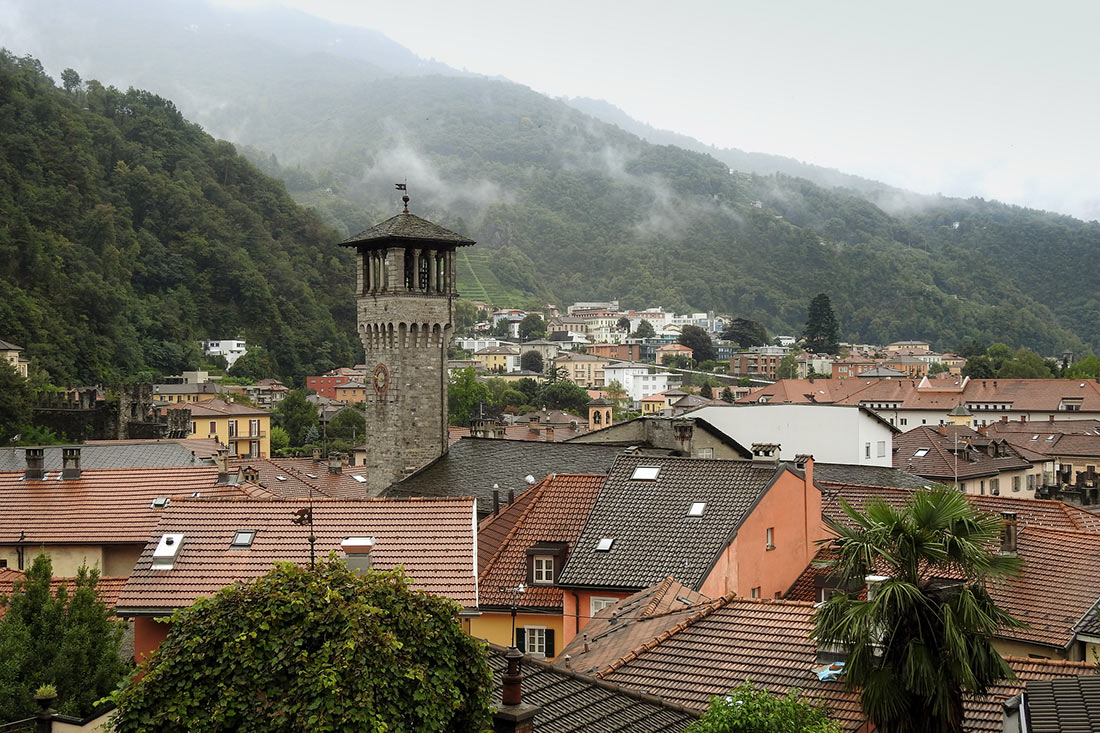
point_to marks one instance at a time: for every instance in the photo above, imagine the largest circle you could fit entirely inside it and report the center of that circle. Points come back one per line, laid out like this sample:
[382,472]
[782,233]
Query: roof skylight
[920,453]
[359,477]
[280,478]
[159,503]
[697,509]
[311,475]
[645,473]
[605,544]
[243,538]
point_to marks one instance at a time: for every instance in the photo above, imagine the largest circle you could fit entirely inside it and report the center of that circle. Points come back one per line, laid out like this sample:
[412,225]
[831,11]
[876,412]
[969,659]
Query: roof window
[243,538]
[280,478]
[159,503]
[360,478]
[605,544]
[1034,437]
[311,475]
[697,509]
[920,453]
[645,473]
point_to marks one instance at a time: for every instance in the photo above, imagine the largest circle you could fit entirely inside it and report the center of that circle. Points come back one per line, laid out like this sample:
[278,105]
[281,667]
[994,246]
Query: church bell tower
[405,293]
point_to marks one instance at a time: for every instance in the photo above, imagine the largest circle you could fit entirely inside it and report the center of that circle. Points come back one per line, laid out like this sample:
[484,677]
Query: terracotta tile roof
[432,539]
[473,465]
[300,475]
[571,702]
[128,454]
[1056,588]
[217,408]
[630,624]
[1082,446]
[107,588]
[555,512]
[495,528]
[653,536]
[1030,512]
[769,642]
[103,506]
[928,452]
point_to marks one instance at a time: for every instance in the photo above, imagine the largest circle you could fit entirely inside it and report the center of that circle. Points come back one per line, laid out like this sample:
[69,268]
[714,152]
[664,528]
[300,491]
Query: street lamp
[516,592]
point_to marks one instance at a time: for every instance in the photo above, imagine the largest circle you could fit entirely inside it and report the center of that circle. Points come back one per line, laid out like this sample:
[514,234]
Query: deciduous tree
[295,414]
[464,393]
[751,709]
[699,341]
[644,330]
[531,361]
[15,403]
[746,333]
[532,327]
[313,649]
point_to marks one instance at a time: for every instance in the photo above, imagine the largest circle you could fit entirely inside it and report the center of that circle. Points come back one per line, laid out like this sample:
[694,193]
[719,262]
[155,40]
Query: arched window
[410,269]
[607,417]
[425,271]
[596,417]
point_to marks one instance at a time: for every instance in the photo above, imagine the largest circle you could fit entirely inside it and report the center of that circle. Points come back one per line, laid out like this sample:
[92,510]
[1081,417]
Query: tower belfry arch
[405,292]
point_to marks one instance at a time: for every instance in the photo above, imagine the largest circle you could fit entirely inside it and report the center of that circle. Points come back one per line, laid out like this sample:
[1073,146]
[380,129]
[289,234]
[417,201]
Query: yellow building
[189,393]
[246,431]
[498,358]
[352,392]
[584,370]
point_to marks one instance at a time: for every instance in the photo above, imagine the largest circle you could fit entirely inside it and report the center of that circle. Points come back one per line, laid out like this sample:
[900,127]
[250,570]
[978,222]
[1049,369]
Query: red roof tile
[556,512]
[103,506]
[217,408]
[496,528]
[957,451]
[293,478]
[433,539]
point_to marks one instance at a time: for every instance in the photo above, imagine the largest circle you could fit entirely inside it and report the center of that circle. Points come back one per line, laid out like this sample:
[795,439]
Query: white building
[231,349]
[637,380]
[830,433]
[477,344]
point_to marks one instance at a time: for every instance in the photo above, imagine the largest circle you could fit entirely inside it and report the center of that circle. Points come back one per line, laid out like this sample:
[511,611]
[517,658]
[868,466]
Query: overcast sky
[994,99]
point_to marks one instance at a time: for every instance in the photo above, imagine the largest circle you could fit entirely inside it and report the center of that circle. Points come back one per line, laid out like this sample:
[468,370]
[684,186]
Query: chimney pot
[511,496]
[496,501]
[70,464]
[36,461]
[357,551]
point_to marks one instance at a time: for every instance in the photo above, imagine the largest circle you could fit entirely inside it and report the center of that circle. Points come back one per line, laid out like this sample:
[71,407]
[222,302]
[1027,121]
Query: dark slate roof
[573,702]
[125,455]
[1090,624]
[473,465]
[1069,705]
[408,227]
[852,475]
[8,346]
[653,536]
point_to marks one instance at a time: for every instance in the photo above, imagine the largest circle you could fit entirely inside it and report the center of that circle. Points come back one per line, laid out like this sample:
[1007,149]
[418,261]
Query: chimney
[35,462]
[514,715]
[317,455]
[496,500]
[70,463]
[357,553]
[1008,533]
[549,433]
[511,496]
[335,465]
[221,460]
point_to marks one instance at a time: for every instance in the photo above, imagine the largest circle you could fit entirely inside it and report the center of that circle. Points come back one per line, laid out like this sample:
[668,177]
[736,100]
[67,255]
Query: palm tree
[923,637]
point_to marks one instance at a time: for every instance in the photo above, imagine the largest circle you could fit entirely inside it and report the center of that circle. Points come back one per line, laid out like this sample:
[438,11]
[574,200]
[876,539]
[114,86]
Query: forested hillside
[127,234]
[565,206]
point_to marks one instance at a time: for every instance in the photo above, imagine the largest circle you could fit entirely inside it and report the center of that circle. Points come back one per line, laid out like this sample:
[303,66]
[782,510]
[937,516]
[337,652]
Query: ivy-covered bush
[318,650]
[752,709]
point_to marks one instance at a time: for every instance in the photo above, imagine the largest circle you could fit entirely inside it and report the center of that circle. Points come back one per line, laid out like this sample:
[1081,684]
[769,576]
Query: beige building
[10,353]
[584,370]
[245,430]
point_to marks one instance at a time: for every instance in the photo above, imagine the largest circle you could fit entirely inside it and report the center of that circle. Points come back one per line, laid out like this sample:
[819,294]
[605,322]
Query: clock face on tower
[381,379]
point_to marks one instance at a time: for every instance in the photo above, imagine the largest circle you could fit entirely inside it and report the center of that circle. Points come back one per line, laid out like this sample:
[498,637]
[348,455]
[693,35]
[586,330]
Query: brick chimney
[221,460]
[549,433]
[36,460]
[514,715]
[1008,533]
[335,465]
[70,463]
[357,553]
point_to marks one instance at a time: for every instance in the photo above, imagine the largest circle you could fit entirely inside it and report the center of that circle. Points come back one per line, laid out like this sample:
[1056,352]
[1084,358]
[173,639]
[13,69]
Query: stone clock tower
[405,293]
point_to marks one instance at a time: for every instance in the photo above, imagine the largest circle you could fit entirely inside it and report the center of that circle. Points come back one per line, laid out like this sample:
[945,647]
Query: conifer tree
[821,326]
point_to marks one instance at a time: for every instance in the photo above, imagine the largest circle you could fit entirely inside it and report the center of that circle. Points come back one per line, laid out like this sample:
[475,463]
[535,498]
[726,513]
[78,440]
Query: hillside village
[656,546]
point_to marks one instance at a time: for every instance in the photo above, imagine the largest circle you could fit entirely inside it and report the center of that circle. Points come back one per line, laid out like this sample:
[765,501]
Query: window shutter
[549,643]
[521,640]
[530,569]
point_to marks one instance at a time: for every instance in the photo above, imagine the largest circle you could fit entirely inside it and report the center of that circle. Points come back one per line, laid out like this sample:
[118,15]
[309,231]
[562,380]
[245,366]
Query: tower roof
[406,226]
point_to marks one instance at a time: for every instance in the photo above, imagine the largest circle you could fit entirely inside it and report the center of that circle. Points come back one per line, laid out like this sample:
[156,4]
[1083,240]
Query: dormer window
[243,538]
[543,570]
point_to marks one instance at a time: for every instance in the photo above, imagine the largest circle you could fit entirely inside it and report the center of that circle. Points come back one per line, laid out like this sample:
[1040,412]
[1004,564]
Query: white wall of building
[636,380]
[231,349]
[830,433]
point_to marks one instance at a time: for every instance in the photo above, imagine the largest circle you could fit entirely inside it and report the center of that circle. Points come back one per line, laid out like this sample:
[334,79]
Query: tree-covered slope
[127,234]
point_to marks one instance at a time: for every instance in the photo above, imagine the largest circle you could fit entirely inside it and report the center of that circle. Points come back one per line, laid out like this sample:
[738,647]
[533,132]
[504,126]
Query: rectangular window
[770,538]
[706,453]
[881,448]
[867,450]
[904,421]
[755,592]
[254,428]
[535,640]
[194,427]
[254,449]
[1015,483]
[995,486]
[543,573]
[213,428]
[598,604]
[232,428]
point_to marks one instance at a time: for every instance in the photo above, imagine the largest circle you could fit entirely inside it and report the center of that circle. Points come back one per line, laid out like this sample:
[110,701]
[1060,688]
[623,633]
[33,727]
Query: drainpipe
[576,616]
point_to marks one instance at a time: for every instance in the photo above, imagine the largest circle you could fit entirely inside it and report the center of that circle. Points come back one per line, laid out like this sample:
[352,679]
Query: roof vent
[605,544]
[166,552]
[645,473]
[160,502]
[697,509]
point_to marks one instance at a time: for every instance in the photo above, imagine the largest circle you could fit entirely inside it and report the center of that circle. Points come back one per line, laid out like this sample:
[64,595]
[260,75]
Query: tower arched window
[410,269]
[425,271]
[596,417]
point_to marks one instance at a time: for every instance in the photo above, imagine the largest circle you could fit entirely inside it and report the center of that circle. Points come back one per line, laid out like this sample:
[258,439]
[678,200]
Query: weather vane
[404,187]
[305,517]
